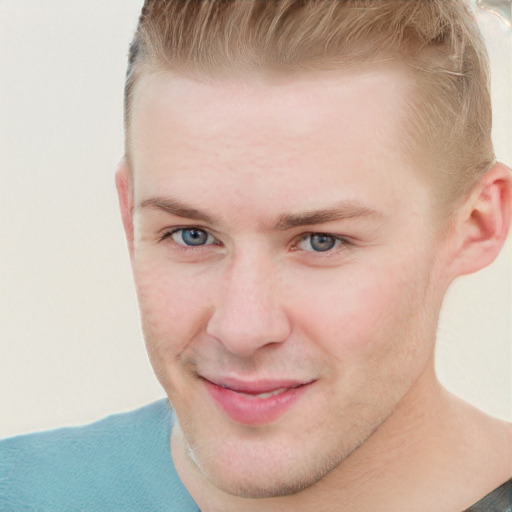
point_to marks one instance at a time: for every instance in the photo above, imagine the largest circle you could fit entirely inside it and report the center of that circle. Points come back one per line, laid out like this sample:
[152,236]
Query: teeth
[267,395]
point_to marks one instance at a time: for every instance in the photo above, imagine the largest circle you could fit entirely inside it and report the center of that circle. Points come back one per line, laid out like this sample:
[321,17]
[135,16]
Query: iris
[321,242]
[193,237]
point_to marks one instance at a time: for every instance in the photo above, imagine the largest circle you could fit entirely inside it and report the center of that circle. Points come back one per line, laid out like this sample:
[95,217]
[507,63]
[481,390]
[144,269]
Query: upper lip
[256,386]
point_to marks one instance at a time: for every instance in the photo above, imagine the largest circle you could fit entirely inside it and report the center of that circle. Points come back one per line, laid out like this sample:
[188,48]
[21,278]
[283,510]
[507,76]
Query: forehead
[267,138]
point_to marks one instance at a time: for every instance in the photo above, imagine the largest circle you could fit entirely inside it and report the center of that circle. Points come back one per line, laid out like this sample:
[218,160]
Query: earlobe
[483,222]
[125,197]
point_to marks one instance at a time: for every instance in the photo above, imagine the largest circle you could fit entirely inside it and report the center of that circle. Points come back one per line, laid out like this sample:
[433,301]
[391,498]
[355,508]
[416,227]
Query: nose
[248,314]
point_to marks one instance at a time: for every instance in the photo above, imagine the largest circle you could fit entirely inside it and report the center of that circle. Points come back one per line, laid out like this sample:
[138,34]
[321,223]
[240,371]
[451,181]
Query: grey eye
[319,242]
[192,237]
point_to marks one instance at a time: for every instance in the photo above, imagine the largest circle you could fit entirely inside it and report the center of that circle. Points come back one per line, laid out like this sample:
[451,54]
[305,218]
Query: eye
[319,242]
[192,237]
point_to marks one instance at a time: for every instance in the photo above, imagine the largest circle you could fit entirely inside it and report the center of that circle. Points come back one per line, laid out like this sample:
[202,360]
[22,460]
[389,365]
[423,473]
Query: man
[301,184]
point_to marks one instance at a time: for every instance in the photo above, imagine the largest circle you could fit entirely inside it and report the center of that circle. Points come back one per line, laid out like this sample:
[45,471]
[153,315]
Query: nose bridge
[248,312]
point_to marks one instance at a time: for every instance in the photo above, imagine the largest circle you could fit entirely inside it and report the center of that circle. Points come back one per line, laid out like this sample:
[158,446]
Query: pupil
[321,242]
[194,236]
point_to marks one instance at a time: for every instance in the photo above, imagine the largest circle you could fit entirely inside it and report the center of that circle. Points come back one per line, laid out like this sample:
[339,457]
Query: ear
[481,224]
[125,197]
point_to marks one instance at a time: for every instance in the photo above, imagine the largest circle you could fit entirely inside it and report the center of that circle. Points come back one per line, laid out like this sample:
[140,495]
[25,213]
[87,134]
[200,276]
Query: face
[283,257]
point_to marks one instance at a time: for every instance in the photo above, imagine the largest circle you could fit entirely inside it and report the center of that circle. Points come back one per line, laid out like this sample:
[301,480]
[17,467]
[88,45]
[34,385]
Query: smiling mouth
[255,403]
[263,395]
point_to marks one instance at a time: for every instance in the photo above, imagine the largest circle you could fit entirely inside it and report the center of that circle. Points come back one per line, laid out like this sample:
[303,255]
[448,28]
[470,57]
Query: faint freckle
[500,8]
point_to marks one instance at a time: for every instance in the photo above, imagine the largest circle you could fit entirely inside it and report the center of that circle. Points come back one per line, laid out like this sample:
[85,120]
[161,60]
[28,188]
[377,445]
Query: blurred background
[71,350]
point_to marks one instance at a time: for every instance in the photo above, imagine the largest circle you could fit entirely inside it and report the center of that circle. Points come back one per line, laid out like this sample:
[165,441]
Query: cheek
[371,329]
[173,303]
[363,315]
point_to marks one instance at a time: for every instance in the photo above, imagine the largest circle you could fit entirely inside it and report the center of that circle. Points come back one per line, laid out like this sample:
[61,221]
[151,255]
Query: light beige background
[71,349]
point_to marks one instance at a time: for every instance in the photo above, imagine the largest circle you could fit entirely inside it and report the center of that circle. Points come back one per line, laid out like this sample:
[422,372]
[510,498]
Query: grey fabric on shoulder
[499,500]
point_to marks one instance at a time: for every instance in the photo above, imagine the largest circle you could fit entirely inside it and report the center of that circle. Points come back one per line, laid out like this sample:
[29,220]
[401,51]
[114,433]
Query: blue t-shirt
[121,463]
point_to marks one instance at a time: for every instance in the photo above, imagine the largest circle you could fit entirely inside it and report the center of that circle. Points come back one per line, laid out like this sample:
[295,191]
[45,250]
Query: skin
[356,322]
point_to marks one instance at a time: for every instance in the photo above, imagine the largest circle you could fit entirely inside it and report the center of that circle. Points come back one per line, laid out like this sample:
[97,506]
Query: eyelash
[340,242]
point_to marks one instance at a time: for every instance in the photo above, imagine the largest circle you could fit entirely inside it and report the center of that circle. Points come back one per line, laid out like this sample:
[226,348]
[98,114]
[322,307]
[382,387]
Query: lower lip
[251,409]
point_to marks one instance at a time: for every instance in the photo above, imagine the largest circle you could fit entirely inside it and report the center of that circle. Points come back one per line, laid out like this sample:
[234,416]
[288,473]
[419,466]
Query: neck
[422,458]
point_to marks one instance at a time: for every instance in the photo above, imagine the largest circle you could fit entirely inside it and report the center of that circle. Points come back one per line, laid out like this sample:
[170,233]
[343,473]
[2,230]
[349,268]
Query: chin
[257,481]
[256,467]
[268,489]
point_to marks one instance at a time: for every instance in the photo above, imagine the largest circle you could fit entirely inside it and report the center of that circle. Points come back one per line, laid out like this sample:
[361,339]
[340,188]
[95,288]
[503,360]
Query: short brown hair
[450,111]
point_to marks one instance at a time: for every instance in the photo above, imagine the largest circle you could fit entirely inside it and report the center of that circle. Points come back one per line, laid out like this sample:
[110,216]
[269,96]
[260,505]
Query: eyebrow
[177,208]
[339,211]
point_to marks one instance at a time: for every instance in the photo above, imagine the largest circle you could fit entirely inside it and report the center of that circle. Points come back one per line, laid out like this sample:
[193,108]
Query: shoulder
[122,462]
